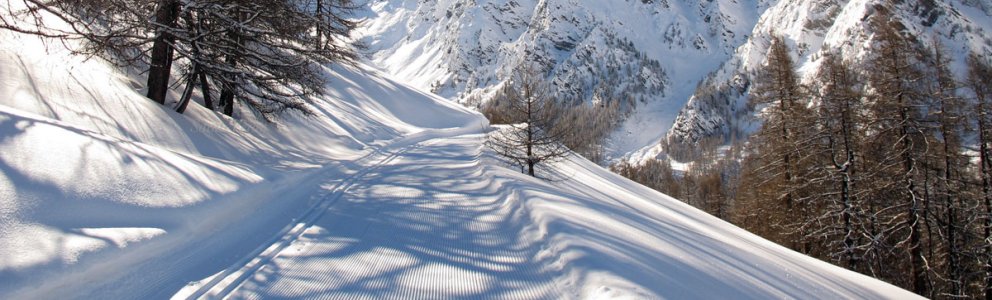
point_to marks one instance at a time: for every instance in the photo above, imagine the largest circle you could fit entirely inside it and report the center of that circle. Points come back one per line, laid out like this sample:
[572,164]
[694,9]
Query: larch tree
[267,54]
[778,92]
[948,114]
[841,117]
[980,83]
[264,53]
[898,143]
[532,137]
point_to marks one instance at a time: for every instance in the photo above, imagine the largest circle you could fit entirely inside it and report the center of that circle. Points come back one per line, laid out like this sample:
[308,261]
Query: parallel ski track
[464,242]
[244,268]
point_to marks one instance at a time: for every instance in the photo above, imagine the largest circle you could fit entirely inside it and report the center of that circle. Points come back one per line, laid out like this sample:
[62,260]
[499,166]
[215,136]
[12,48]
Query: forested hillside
[882,169]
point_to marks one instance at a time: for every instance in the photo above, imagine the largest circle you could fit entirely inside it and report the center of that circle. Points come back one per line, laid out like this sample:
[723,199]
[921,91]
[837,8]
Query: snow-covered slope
[104,191]
[644,53]
[809,25]
[442,219]
[387,192]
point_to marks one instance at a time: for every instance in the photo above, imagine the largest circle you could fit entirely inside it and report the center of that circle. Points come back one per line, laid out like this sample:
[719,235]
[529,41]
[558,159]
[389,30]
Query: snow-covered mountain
[810,26]
[685,65]
[650,54]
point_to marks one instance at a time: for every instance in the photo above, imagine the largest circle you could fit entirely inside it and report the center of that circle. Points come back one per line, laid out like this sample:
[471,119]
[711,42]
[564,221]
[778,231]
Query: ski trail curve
[426,223]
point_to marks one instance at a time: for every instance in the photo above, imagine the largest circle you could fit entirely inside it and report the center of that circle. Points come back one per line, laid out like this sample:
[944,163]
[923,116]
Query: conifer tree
[266,54]
[950,126]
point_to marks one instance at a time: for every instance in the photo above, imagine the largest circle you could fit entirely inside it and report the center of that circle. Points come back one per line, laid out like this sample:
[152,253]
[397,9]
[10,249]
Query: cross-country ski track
[425,223]
[440,218]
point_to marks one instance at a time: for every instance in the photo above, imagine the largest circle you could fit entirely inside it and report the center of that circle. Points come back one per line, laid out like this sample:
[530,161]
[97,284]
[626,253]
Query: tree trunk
[227,99]
[188,92]
[846,198]
[227,88]
[195,74]
[785,106]
[205,90]
[161,61]
[913,220]
[953,252]
[987,195]
[530,134]
[986,168]
[848,227]
[320,30]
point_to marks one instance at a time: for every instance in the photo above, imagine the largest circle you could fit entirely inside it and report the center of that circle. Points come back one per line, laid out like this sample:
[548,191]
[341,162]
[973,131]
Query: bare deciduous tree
[266,54]
[533,138]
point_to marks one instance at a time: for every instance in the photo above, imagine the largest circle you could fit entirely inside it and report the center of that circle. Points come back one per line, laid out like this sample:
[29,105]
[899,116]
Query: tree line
[264,54]
[885,170]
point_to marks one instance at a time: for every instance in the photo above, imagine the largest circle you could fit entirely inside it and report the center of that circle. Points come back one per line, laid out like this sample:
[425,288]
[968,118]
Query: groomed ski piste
[387,193]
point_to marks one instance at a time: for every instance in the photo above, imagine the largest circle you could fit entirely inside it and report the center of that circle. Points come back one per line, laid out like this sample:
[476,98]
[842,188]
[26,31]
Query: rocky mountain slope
[810,27]
[649,54]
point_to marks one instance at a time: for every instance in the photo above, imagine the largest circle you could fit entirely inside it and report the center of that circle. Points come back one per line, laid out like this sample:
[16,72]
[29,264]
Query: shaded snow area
[386,192]
[442,219]
[105,194]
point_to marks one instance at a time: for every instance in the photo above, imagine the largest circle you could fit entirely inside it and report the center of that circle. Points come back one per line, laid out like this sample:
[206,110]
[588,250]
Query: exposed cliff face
[814,26]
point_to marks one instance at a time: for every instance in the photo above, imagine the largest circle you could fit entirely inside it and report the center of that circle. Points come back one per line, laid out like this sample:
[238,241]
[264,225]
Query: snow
[443,219]
[386,192]
[99,183]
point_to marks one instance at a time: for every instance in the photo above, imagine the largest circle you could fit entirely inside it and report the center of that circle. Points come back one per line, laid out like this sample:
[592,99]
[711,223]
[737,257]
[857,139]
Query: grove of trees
[884,169]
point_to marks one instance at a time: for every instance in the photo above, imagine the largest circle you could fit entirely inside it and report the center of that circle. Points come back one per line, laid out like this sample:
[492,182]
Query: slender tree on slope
[841,118]
[980,82]
[947,108]
[533,138]
[898,144]
[778,91]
